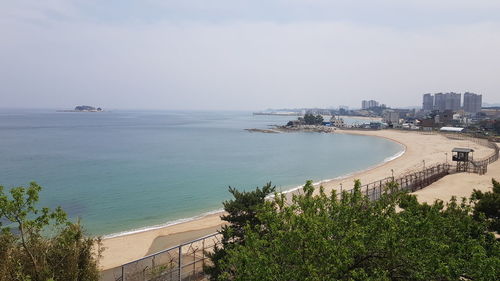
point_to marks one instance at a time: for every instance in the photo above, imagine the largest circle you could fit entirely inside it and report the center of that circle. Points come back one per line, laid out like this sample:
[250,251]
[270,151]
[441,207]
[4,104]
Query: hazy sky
[245,54]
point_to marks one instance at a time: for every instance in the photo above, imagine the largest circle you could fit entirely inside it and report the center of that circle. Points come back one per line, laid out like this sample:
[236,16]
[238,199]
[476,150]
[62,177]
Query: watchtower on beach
[462,157]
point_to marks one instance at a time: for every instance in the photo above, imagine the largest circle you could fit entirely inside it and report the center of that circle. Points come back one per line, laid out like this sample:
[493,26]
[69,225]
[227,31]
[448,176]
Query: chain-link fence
[182,262]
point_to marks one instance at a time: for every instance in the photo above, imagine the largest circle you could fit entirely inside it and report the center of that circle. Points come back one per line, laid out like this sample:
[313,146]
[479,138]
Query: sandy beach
[459,185]
[420,149]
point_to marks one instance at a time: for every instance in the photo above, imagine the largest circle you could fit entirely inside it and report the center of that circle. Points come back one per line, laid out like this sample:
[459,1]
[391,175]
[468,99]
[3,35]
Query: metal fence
[183,262]
[410,182]
[479,166]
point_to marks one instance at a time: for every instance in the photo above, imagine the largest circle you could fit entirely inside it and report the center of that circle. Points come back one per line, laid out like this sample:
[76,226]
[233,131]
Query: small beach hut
[461,156]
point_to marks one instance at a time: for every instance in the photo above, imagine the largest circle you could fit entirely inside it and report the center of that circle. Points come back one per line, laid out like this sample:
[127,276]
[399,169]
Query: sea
[125,171]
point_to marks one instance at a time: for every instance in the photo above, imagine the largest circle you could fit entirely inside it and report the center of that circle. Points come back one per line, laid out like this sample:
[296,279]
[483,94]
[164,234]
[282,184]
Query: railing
[481,166]
[182,262]
[475,166]
[410,182]
[478,166]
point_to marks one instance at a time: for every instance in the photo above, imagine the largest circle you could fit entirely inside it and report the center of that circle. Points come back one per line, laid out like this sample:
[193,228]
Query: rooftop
[458,149]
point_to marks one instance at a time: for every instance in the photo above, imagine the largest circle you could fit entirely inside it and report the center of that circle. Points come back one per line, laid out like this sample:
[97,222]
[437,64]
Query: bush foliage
[310,119]
[488,204]
[319,236]
[39,244]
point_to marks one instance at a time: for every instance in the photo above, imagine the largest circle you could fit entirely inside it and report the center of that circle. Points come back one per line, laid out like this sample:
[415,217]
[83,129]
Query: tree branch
[26,248]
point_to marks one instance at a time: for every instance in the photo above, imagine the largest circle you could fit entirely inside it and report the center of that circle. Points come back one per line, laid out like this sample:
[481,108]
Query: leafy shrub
[39,244]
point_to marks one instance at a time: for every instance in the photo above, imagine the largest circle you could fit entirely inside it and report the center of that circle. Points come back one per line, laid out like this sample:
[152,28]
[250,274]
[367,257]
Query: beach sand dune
[420,149]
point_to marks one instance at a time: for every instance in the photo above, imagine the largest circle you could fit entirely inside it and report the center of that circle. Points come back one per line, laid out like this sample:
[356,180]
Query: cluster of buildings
[448,109]
[452,101]
[367,104]
[438,110]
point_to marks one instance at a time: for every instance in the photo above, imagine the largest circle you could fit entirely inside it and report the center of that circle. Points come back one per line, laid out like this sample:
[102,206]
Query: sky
[245,54]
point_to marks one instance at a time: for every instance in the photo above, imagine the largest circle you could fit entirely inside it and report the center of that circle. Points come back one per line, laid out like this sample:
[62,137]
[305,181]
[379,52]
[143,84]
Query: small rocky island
[84,108]
[307,123]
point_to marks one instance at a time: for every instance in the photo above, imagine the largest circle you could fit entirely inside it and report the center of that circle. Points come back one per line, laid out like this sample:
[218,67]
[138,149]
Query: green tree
[39,244]
[488,205]
[319,119]
[349,237]
[310,119]
[241,214]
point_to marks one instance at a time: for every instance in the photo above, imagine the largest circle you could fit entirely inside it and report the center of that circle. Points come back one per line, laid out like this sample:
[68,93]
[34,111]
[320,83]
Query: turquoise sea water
[124,170]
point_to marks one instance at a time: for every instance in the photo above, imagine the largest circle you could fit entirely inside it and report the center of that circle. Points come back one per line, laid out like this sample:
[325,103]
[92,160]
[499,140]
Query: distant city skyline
[472,102]
[245,55]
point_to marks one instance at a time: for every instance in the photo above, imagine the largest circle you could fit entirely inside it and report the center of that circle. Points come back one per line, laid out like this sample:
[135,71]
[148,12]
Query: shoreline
[162,225]
[221,211]
[126,247]
[348,175]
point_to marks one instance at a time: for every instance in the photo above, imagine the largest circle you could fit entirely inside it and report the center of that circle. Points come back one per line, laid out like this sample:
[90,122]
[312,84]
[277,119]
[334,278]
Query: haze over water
[125,170]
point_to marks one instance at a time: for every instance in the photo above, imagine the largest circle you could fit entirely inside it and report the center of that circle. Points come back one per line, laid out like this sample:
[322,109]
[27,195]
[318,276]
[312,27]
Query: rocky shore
[299,128]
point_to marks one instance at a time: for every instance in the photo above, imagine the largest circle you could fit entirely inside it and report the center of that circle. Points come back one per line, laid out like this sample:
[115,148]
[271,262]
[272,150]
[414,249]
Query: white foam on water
[159,226]
[183,220]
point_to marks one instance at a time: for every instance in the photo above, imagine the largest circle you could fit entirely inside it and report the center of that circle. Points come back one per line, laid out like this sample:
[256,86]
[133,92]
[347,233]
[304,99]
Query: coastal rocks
[267,131]
[307,128]
[300,128]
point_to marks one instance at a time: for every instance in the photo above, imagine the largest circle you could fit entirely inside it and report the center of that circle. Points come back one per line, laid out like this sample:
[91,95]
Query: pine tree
[241,212]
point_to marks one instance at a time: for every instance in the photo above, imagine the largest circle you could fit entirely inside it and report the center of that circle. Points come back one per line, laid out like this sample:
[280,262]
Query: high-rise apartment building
[438,101]
[452,101]
[428,103]
[442,102]
[472,102]
[366,104]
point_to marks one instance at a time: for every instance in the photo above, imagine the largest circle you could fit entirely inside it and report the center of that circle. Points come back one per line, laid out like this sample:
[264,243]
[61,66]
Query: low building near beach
[452,129]
[337,122]
[461,154]
[391,117]
[374,126]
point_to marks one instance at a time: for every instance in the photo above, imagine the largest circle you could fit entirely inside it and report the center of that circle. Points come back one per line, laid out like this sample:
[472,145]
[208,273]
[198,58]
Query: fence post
[180,262]
[123,276]
[203,253]
[194,262]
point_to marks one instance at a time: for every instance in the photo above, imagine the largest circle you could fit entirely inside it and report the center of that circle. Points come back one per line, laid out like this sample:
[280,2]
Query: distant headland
[83,108]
